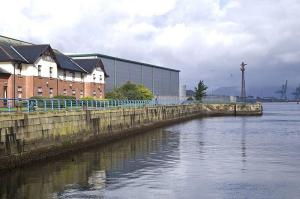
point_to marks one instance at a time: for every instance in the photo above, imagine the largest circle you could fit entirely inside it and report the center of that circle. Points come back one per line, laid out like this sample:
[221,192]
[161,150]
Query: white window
[65,92]
[51,71]
[94,93]
[100,77]
[73,93]
[19,67]
[39,91]
[94,77]
[73,75]
[65,75]
[81,93]
[19,90]
[81,76]
[51,92]
[39,70]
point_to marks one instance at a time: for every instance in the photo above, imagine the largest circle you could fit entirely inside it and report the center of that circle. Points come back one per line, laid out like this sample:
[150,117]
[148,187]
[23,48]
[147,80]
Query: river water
[217,157]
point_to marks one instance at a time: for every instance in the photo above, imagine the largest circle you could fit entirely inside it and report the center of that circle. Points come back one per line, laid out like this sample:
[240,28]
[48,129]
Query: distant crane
[283,91]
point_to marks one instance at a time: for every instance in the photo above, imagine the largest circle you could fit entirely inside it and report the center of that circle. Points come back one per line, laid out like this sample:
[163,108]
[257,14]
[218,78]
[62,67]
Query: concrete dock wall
[29,137]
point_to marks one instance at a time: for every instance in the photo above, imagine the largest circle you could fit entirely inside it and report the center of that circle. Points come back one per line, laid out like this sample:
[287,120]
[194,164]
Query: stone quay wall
[28,137]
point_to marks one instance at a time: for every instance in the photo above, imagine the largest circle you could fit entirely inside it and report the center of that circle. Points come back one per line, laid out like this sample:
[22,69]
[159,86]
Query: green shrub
[130,91]
[64,97]
[39,97]
[87,98]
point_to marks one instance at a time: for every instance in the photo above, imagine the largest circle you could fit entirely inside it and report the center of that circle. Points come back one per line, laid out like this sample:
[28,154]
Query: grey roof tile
[67,63]
[90,64]
[8,53]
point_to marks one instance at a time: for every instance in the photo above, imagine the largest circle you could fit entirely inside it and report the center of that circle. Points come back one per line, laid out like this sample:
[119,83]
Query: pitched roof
[90,64]
[12,41]
[32,52]
[67,63]
[9,53]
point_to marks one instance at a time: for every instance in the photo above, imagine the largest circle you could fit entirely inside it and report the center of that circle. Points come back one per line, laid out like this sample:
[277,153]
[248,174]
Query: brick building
[38,70]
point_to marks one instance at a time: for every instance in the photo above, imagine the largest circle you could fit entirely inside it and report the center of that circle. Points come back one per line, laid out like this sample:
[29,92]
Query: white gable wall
[45,62]
[7,66]
[32,69]
[97,72]
[69,75]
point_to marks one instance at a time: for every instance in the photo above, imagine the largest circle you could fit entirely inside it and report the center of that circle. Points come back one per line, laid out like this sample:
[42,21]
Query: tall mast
[243,87]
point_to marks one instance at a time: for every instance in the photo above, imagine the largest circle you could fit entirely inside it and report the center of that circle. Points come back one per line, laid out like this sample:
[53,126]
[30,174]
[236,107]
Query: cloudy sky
[205,39]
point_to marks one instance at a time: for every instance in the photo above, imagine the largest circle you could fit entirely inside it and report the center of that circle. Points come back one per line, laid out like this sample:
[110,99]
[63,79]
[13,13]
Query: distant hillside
[269,91]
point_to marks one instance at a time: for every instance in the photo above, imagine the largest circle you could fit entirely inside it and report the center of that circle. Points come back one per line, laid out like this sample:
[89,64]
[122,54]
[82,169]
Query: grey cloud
[219,35]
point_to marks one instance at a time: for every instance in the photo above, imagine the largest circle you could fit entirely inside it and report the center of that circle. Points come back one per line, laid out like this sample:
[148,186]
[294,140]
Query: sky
[205,39]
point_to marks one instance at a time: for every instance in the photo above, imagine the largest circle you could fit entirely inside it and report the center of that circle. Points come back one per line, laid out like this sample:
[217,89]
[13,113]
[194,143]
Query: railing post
[71,104]
[28,107]
[8,103]
[58,104]
[45,105]
[36,104]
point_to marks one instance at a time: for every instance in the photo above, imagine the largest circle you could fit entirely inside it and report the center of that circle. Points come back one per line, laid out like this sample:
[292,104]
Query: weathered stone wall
[27,137]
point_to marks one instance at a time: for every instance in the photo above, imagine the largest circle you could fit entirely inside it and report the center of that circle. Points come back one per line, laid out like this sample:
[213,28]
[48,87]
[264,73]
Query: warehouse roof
[90,64]
[119,59]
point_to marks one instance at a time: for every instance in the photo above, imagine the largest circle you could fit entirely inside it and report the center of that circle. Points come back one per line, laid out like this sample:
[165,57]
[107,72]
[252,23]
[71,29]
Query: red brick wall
[70,86]
[4,82]
[45,83]
[89,89]
[29,87]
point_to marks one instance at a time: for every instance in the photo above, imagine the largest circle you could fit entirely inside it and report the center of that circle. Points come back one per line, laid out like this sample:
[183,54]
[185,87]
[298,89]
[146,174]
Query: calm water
[221,157]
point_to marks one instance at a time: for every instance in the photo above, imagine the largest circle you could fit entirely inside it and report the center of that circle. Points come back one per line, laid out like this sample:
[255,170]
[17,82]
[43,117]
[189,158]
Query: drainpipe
[57,81]
[15,80]
[115,73]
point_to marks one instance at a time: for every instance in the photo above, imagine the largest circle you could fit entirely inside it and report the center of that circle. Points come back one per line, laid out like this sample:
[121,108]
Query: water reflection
[94,169]
[218,157]
[243,142]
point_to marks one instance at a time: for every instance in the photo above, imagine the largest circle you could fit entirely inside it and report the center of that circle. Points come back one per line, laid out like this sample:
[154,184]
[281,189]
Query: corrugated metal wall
[162,82]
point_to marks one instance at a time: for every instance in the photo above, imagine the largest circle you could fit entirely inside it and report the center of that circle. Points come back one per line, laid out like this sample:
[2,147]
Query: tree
[115,94]
[130,91]
[200,90]
[145,93]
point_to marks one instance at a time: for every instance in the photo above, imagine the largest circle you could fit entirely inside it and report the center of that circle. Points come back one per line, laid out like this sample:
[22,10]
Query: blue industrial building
[164,82]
